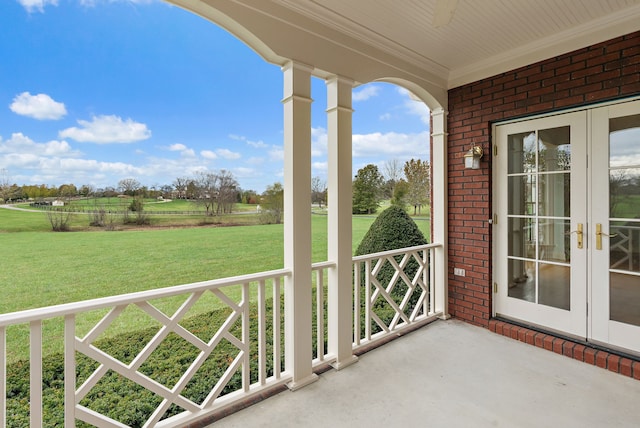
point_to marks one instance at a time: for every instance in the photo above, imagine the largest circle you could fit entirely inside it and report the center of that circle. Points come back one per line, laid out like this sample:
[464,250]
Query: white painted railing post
[297,223]
[340,293]
[439,221]
[35,370]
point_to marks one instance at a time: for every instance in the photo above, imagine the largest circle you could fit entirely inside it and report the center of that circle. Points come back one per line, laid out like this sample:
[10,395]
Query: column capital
[340,79]
[297,66]
[439,122]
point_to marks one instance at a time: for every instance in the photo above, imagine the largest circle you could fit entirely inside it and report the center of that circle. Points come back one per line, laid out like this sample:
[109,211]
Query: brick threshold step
[624,365]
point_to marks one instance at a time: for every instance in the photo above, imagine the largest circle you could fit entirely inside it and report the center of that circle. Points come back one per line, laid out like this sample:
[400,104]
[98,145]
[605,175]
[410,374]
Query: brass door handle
[579,234]
[600,234]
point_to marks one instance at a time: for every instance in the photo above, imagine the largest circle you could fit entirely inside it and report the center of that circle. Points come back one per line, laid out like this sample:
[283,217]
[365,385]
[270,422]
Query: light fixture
[472,157]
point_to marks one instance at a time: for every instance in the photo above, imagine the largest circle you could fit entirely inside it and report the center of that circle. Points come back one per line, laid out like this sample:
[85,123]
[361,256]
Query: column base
[294,386]
[343,364]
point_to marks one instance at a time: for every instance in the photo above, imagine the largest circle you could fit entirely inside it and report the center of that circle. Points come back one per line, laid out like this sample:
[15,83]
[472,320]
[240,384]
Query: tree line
[406,185]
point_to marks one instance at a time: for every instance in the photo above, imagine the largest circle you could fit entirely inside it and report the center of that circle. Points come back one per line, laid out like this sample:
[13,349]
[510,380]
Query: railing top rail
[106,302]
[323,265]
[395,252]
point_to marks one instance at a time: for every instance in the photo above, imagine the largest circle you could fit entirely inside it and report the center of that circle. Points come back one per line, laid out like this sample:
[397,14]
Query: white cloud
[56,162]
[255,160]
[184,150]
[391,144]
[320,166]
[318,141]
[414,106]
[385,116]
[37,5]
[208,154]
[228,154]
[243,172]
[258,144]
[276,154]
[20,144]
[418,108]
[41,106]
[365,93]
[107,129]
[255,144]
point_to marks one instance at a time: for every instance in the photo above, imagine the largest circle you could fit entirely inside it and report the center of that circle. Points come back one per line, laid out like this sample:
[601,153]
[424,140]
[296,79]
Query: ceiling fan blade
[444,12]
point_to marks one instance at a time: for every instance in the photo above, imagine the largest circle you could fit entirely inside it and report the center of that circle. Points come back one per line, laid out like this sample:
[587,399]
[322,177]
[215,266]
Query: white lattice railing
[251,302]
[393,290]
[241,357]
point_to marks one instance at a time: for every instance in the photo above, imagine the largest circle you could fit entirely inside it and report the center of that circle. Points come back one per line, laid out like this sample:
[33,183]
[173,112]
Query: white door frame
[595,185]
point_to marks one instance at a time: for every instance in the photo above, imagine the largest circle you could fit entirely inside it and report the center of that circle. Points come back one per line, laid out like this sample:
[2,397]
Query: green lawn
[46,268]
[43,268]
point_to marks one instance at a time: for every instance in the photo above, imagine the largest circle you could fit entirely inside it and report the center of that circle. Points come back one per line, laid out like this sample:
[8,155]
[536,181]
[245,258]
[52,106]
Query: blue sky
[95,91]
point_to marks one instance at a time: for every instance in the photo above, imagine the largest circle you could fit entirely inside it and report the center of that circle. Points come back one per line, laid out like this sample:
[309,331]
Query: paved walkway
[451,374]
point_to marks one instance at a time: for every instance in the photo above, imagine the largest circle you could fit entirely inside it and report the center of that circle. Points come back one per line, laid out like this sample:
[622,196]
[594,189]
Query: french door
[567,223]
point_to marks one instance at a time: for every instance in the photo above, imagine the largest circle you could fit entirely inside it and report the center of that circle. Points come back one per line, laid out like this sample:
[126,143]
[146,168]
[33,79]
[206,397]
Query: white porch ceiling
[483,37]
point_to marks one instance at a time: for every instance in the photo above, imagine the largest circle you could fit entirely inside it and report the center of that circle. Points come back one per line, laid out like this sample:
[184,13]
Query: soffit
[483,38]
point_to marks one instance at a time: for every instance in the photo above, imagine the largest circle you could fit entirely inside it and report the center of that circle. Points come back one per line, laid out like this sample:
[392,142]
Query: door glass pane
[522,193]
[624,246]
[522,242]
[554,195]
[522,152]
[624,191]
[624,298]
[554,243]
[554,286]
[554,149]
[522,280]
[624,225]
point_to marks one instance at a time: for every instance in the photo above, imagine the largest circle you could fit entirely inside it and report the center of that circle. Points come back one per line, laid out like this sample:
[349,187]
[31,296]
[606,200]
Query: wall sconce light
[472,157]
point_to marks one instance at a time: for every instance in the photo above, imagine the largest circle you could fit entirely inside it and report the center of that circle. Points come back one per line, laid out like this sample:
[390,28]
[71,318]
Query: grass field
[46,268]
[43,268]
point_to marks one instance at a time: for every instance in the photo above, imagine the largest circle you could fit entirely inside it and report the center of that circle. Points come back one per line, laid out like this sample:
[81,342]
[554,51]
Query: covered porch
[450,373]
[472,65]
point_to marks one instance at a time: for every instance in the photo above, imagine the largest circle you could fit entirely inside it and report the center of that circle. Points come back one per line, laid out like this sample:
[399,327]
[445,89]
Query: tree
[86,190]
[217,191]
[166,190]
[392,171]
[272,204]
[318,191]
[129,186]
[180,184]
[205,190]
[366,190]
[249,197]
[67,190]
[399,198]
[11,193]
[227,187]
[418,174]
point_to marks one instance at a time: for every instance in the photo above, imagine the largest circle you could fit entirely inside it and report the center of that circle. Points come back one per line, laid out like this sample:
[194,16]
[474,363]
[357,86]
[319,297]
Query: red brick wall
[601,72]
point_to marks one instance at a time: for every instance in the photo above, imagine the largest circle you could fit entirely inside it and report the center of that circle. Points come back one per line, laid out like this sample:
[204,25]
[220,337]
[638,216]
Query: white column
[340,295]
[439,209]
[297,223]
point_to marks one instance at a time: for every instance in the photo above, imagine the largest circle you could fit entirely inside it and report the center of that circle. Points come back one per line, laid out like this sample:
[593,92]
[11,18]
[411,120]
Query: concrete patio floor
[452,374]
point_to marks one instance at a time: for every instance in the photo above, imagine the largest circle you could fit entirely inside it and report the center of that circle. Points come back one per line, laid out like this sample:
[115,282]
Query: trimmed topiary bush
[392,229]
